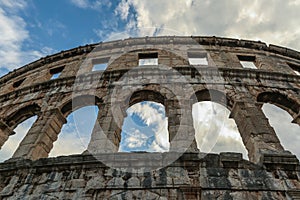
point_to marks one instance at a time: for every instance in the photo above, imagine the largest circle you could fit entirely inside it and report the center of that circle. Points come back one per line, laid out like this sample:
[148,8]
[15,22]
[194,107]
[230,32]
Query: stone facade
[193,176]
[182,173]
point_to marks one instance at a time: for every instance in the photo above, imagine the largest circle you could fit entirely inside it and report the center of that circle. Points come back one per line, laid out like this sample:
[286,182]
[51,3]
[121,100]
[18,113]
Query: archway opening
[145,128]
[76,133]
[13,142]
[283,101]
[287,132]
[215,131]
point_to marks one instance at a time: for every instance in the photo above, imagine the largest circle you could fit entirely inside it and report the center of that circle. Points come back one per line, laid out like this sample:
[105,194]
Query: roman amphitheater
[241,75]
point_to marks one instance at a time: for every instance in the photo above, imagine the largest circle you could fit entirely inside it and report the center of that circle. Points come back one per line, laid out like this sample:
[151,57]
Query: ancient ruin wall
[101,172]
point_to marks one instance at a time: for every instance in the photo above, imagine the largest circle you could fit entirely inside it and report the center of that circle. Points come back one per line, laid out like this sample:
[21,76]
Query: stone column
[106,136]
[181,135]
[296,115]
[5,132]
[40,138]
[297,119]
[257,134]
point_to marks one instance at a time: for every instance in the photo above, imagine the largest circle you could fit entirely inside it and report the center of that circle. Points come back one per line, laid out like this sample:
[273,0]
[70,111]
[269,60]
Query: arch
[214,130]
[145,128]
[214,96]
[75,135]
[22,114]
[112,119]
[140,96]
[13,141]
[146,95]
[154,93]
[286,131]
[69,107]
[79,102]
[280,100]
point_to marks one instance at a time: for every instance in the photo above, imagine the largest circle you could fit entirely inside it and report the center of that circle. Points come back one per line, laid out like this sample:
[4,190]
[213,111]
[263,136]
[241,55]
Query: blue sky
[33,29]
[63,24]
[44,27]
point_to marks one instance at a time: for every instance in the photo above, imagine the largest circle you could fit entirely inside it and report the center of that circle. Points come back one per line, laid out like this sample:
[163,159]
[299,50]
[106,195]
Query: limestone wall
[192,176]
[271,172]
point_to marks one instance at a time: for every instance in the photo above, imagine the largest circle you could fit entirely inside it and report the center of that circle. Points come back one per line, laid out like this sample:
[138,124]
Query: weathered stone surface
[246,180]
[101,172]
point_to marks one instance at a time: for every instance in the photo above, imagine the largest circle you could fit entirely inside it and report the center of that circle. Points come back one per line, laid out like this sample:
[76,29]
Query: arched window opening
[145,128]
[22,114]
[76,133]
[281,100]
[215,132]
[13,142]
[287,132]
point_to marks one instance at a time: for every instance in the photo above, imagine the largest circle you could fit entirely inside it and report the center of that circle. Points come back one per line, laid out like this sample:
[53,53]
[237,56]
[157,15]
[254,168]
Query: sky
[33,29]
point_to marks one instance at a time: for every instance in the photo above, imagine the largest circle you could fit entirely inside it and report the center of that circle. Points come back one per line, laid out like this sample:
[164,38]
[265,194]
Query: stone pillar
[181,135]
[257,134]
[40,138]
[106,135]
[5,132]
[297,119]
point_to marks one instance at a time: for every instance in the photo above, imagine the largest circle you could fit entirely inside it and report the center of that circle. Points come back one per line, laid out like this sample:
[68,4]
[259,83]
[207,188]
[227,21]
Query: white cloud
[276,22]
[115,35]
[147,112]
[91,4]
[13,5]
[153,114]
[137,136]
[13,34]
[80,3]
[76,133]
[287,132]
[122,10]
[229,144]
[11,145]
[32,55]
[215,132]
[68,143]
[136,140]
[294,2]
